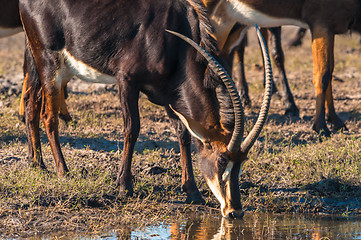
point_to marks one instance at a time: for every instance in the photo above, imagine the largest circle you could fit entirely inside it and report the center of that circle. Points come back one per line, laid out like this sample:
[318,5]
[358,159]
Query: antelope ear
[194,127]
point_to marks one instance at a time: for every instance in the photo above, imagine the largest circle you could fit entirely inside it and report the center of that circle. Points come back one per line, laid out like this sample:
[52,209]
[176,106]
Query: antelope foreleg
[322,50]
[188,183]
[129,94]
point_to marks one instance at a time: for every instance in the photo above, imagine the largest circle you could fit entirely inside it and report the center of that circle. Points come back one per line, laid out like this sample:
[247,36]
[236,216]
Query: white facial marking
[249,16]
[84,71]
[188,126]
[214,186]
[227,173]
[228,197]
[4,32]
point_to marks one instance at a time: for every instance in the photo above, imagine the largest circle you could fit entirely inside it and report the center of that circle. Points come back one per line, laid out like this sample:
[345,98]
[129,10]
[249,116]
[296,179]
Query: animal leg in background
[238,72]
[322,49]
[63,109]
[279,59]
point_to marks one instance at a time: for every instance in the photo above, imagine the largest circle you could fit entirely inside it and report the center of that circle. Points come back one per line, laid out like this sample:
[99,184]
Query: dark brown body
[9,17]
[325,18]
[125,42]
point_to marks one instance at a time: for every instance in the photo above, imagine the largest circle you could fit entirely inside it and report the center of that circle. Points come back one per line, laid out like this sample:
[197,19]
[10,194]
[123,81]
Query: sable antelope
[324,18]
[125,42]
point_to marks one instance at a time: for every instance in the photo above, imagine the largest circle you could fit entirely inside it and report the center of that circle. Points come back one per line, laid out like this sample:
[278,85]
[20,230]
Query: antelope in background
[132,48]
[324,18]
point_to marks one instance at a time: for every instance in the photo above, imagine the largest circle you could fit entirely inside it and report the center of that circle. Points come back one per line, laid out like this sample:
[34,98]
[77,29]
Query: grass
[289,170]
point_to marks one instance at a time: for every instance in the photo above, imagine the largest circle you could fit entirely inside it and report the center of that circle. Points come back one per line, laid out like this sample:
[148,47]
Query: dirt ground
[289,169]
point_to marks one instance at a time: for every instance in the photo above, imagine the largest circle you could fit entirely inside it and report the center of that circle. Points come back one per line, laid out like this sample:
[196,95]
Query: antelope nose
[236,214]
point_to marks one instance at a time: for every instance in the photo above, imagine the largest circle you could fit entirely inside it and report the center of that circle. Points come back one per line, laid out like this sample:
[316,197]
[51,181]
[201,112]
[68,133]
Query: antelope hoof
[125,191]
[65,117]
[341,128]
[292,110]
[193,194]
[195,198]
[64,173]
[41,166]
[337,124]
[322,132]
[125,188]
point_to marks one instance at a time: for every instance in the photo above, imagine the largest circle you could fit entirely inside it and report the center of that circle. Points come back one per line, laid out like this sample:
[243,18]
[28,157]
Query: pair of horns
[236,143]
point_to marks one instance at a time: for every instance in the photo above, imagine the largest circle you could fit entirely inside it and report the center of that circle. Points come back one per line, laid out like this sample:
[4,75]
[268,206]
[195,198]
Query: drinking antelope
[125,42]
[324,18]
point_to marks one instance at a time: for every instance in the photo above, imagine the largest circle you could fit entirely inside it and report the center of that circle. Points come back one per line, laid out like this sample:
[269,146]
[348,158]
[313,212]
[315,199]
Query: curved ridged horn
[237,135]
[253,135]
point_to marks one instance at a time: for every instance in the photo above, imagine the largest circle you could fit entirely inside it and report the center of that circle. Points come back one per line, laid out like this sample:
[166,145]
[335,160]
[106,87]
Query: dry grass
[289,169]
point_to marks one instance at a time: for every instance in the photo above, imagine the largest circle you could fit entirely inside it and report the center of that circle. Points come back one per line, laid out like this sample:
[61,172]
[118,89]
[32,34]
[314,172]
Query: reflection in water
[256,226]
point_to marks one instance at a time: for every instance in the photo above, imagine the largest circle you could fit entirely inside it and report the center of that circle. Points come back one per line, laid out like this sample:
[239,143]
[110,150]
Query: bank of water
[252,226]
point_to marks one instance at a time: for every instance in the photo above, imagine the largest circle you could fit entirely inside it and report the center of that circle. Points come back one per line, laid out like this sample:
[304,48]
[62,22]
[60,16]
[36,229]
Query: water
[255,226]
[252,226]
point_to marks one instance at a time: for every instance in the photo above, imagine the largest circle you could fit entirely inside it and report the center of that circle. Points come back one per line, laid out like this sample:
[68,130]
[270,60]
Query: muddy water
[256,226]
[252,226]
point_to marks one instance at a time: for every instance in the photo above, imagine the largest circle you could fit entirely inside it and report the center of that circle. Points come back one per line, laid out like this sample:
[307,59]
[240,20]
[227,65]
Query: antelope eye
[222,161]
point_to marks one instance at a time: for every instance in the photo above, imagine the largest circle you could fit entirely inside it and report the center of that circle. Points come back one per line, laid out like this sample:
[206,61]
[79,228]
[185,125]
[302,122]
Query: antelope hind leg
[31,101]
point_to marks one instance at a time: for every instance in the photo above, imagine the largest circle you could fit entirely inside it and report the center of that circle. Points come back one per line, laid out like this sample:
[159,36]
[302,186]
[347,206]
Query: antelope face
[219,166]
[221,170]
